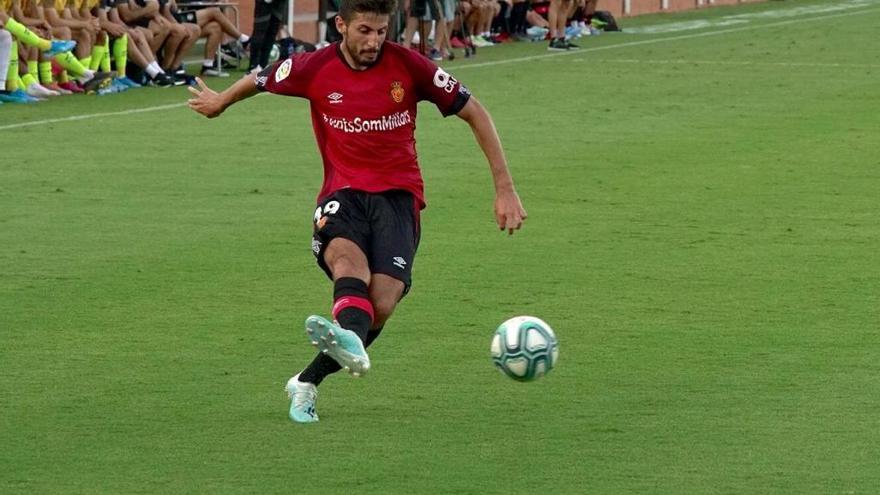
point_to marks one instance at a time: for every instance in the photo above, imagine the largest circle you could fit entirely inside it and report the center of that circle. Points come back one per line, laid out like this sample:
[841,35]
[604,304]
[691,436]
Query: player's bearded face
[363,37]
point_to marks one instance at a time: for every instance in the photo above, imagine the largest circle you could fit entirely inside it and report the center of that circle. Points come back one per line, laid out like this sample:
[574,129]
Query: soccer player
[363,93]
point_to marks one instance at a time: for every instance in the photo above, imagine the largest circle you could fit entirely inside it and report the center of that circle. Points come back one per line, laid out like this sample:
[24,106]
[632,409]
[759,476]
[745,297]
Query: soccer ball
[524,348]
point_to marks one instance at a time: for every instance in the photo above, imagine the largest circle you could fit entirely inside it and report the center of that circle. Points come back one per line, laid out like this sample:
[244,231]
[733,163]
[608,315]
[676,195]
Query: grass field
[703,236]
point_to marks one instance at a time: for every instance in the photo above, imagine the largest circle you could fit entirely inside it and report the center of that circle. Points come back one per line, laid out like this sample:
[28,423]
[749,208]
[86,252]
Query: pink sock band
[353,301]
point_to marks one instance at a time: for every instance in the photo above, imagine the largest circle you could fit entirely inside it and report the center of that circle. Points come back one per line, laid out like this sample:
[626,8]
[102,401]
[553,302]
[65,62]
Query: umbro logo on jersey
[335,98]
[399,262]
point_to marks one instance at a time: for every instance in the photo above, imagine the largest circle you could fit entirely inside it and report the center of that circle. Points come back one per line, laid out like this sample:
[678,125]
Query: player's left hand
[509,211]
[207,101]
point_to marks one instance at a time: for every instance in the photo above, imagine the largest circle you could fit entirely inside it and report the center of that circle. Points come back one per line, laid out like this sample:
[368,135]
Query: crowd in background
[50,48]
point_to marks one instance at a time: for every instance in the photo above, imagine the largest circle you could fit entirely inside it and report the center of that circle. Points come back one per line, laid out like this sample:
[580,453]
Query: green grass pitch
[702,235]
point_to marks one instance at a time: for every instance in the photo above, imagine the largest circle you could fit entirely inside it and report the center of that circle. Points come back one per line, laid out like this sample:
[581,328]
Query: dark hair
[348,8]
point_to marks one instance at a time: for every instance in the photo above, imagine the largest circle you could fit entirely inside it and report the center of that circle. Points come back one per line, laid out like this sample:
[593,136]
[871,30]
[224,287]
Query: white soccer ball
[524,348]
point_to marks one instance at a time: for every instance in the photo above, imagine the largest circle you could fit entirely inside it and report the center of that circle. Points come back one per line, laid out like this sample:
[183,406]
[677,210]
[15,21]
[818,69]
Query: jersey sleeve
[289,77]
[438,86]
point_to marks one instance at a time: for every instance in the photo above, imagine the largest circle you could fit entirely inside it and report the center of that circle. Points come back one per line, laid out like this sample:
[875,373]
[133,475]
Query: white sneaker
[39,91]
[212,72]
[302,397]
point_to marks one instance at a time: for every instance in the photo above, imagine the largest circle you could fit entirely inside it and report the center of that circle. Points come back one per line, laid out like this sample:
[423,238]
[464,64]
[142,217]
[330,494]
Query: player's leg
[31,78]
[28,37]
[159,32]
[6,42]
[352,309]
[214,14]
[191,34]
[176,35]
[213,35]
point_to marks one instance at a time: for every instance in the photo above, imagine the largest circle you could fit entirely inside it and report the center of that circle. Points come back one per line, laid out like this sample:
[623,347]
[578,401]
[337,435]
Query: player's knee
[344,265]
[383,307]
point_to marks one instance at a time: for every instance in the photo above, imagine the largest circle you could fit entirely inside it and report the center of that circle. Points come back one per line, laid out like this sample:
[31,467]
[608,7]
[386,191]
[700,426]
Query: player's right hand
[509,211]
[207,101]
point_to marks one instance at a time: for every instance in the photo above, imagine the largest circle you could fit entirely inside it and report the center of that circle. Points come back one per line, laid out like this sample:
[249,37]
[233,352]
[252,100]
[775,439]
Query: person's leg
[192,33]
[159,32]
[206,16]
[176,35]
[5,51]
[557,27]
[269,40]
[213,34]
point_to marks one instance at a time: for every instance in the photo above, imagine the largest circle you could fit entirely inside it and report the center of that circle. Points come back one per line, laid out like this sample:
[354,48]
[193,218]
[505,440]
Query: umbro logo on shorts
[399,262]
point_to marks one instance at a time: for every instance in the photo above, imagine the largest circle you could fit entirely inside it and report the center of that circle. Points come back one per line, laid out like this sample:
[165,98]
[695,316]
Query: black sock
[351,305]
[353,311]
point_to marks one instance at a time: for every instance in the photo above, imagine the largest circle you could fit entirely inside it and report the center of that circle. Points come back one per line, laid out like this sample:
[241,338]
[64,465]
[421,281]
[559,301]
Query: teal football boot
[60,46]
[302,400]
[344,346]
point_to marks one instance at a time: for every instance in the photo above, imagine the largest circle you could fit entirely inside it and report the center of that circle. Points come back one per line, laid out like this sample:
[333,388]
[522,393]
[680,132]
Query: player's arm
[211,103]
[509,212]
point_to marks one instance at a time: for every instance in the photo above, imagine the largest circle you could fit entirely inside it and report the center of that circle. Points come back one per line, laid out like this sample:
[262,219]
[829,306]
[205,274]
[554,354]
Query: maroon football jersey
[365,121]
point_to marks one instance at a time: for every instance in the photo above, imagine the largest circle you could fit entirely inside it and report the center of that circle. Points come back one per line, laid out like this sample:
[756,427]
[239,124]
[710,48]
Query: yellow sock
[45,70]
[105,61]
[120,54]
[28,80]
[33,67]
[26,36]
[12,72]
[15,83]
[95,58]
[86,62]
[63,77]
[69,62]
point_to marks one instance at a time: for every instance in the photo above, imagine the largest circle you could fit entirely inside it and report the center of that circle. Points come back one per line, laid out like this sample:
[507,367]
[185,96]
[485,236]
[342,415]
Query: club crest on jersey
[397,92]
[283,70]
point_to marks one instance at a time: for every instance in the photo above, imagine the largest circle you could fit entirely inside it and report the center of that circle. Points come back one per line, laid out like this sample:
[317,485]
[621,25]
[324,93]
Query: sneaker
[127,82]
[537,33]
[24,97]
[70,86]
[597,23]
[100,80]
[162,80]
[60,46]
[302,397]
[213,71]
[229,52]
[570,46]
[15,97]
[56,87]
[557,45]
[457,42]
[435,55]
[480,42]
[186,79]
[344,346]
[38,91]
[572,32]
